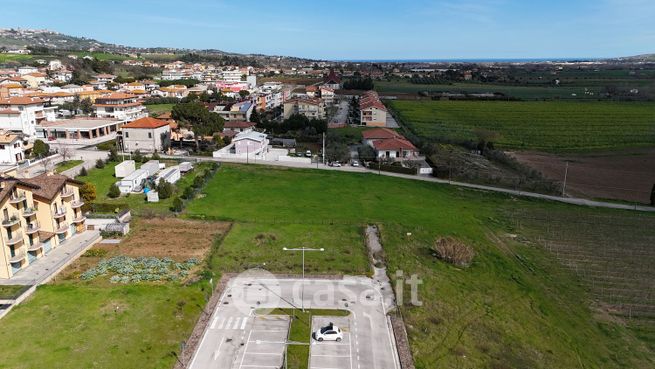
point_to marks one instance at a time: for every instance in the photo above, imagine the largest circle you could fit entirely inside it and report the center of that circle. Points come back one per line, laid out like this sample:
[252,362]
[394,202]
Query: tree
[83,172]
[100,163]
[652,196]
[138,157]
[366,153]
[198,181]
[337,151]
[244,93]
[40,148]
[88,192]
[65,152]
[86,106]
[114,192]
[188,193]
[177,205]
[254,117]
[113,154]
[164,189]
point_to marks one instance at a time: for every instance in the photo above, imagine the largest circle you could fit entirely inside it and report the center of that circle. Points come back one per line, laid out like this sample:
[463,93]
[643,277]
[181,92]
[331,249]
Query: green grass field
[10,292]
[7,58]
[158,109]
[542,126]
[515,307]
[66,165]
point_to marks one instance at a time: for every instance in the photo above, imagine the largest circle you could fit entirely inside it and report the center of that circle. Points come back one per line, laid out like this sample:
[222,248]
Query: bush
[453,251]
[83,172]
[40,148]
[188,193]
[88,192]
[138,157]
[164,189]
[95,252]
[155,156]
[198,181]
[114,192]
[100,163]
[113,154]
[177,205]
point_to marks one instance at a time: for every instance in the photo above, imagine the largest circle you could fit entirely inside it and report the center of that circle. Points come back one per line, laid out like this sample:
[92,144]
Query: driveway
[238,337]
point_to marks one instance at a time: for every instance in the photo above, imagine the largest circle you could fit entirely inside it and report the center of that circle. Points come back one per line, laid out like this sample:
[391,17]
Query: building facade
[146,135]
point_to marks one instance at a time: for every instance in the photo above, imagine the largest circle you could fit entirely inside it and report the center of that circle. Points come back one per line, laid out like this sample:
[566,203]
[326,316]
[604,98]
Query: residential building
[372,112]
[332,80]
[245,145]
[240,111]
[119,106]
[11,148]
[21,114]
[146,135]
[311,108]
[83,131]
[38,214]
[236,126]
[389,144]
[105,78]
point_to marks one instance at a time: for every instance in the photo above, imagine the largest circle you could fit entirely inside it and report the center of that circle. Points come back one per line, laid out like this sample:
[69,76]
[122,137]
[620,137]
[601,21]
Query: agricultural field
[514,307]
[403,87]
[98,324]
[553,126]
[16,58]
[616,270]
[625,175]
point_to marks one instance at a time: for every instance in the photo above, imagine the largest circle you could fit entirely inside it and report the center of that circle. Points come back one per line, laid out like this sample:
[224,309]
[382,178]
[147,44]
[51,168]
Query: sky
[356,29]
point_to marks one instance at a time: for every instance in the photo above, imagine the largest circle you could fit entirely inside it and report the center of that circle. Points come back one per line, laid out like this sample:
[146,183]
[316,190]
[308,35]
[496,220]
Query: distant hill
[644,57]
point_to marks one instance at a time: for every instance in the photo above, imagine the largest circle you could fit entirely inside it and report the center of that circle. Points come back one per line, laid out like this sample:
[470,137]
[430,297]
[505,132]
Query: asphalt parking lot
[238,337]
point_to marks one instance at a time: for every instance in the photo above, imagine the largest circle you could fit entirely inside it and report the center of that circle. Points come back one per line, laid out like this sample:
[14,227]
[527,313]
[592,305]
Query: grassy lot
[6,58]
[10,292]
[542,126]
[158,109]
[66,165]
[104,178]
[514,307]
[301,331]
[97,324]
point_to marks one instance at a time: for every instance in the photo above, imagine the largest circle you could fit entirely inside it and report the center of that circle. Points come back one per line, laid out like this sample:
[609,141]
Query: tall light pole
[302,290]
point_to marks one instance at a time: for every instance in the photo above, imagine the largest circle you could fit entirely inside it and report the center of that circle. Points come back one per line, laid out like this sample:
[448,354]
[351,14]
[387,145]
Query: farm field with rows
[543,126]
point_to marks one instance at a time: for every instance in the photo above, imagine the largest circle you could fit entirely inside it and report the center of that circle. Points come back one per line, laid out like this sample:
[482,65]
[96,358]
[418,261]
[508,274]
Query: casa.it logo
[255,291]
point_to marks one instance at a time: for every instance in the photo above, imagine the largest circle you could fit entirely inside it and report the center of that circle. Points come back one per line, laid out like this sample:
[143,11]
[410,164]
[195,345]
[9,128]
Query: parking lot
[241,336]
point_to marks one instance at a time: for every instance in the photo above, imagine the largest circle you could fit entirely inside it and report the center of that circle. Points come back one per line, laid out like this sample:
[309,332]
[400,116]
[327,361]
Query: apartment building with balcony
[119,106]
[311,108]
[372,110]
[37,215]
[21,114]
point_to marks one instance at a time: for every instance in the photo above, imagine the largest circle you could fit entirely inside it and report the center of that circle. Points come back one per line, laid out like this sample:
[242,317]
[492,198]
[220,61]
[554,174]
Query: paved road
[239,336]
[568,200]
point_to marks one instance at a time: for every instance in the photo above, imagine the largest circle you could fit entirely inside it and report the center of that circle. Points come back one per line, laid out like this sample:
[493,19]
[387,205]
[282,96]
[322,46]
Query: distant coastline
[499,60]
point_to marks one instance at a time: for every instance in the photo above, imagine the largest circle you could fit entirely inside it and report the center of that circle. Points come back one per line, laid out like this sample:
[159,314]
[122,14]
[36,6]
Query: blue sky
[357,29]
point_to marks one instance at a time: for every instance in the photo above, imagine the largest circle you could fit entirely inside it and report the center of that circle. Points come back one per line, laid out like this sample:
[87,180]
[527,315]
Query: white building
[119,106]
[245,145]
[11,148]
[125,168]
[21,114]
[170,175]
[133,182]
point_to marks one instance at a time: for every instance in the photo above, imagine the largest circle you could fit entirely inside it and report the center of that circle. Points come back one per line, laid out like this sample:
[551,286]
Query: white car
[355,163]
[329,333]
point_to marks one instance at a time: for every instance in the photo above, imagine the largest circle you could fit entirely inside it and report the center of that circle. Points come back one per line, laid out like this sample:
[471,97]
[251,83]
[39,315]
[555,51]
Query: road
[240,336]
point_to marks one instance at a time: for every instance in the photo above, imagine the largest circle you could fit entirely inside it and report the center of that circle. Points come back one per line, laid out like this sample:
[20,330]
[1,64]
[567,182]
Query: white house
[21,114]
[146,135]
[119,106]
[11,148]
[245,145]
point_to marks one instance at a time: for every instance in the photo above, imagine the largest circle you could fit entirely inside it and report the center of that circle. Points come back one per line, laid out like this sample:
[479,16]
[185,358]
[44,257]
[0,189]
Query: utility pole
[302,291]
[566,174]
[323,149]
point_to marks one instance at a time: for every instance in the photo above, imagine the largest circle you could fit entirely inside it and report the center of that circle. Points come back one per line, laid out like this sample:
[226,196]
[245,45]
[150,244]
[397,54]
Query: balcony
[66,193]
[28,212]
[77,204]
[17,197]
[32,228]
[59,213]
[62,228]
[79,219]
[18,257]
[10,222]
[35,247]
[16,239]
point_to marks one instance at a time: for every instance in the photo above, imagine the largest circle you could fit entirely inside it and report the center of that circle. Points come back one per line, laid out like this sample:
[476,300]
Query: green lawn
[66,165]
[515,307]
[6,58]
[543,126]
[158,109]
[104,178]
[84,326]
[10,292]
[301,332]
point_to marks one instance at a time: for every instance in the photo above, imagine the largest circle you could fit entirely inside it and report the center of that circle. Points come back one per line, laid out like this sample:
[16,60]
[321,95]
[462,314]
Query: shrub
[40,148]
[177,205]
[83,172]
[188,193]
[95,252]
[88,192]
[113,154]
[114,192]
[100,163]
[155,156]
[453,251]
[164,189]
[198,181]
[138,157]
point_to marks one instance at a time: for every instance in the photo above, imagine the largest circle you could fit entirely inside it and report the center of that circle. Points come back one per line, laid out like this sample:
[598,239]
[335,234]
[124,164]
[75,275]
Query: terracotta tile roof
[9,111]
[394,144]
[380,133]
[118,96]
[7,185]
[126,105]
[238,125]
[146,123]
[20,101]
[7,138]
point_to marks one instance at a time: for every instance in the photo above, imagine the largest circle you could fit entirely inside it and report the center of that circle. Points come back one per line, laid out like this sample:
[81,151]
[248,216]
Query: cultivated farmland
[542,126]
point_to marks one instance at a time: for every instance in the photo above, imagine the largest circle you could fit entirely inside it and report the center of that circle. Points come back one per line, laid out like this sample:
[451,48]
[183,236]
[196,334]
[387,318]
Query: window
[149,134]
[127,135]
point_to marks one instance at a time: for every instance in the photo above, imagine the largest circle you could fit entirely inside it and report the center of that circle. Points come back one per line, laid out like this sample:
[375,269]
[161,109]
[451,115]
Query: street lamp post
[302,290]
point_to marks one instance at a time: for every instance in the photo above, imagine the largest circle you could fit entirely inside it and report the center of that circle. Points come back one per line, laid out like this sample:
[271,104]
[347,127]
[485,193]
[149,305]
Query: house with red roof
[146,135]
[373,113]
[389,144]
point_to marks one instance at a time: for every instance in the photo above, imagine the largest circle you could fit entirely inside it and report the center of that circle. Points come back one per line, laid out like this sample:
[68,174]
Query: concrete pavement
[239,336]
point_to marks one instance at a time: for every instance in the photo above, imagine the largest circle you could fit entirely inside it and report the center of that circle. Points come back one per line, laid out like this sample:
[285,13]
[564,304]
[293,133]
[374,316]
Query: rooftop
[80,123]
[146,123]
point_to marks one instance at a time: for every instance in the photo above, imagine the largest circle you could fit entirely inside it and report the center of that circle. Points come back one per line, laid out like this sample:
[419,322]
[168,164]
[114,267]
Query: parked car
[329,333]
[336,164]
[308,153]
[355,163]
